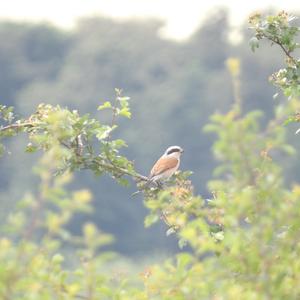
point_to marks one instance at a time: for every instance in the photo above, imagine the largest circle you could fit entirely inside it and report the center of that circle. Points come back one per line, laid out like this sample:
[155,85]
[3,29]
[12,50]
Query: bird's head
[174,151]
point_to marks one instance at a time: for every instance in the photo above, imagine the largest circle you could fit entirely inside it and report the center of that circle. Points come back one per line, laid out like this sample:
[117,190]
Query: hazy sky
[181,16]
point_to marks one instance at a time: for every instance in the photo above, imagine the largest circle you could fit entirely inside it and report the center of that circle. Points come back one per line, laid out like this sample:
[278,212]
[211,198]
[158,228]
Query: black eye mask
[173,150]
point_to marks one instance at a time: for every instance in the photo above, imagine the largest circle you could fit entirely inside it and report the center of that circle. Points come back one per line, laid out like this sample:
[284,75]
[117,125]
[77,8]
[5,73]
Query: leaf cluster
[280,31]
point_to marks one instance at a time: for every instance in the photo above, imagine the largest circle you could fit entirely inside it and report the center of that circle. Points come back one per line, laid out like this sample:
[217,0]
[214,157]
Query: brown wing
[163,164]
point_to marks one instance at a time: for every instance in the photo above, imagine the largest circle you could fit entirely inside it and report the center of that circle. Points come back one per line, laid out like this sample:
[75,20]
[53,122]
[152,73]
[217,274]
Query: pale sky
[181,17]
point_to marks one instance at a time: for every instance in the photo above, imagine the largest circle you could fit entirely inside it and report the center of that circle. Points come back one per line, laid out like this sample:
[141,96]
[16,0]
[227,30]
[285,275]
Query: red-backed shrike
[167,165]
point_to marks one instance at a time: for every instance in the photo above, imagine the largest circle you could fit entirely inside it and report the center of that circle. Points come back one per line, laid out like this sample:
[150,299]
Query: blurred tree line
[174,88]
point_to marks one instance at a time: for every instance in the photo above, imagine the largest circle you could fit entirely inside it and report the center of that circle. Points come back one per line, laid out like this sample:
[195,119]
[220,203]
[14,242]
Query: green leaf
[30,148]
[289,149]
[151,219]
[57,259]
[254,43]
[182,243]
[119,143]
[219,236]
[104,131]
[123,182]
[183,259]
[105,105]
[125,112]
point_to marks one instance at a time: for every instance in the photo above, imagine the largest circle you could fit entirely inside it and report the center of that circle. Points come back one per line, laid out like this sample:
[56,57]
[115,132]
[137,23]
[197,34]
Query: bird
[166,165]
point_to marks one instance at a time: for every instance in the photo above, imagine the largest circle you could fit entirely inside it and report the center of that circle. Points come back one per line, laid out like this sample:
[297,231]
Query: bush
[242,243]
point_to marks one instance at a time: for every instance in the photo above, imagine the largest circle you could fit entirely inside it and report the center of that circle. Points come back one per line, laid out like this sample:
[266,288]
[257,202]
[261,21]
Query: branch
[109,166]
[17,126]
[287,53]
[112,167]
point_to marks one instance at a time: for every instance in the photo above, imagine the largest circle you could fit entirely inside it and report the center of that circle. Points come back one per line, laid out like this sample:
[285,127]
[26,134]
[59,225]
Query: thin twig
[114,113]
[17,126]
[113,120]
[287,53]
[113,167]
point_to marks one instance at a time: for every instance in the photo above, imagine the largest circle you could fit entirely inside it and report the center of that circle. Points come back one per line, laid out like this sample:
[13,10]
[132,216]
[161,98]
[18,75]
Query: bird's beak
[181,151]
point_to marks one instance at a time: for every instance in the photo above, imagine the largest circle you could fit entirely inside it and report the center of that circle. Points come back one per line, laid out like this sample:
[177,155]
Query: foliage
[242,243]
[170,84]
[51,127]
[280,31]
[41,259]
